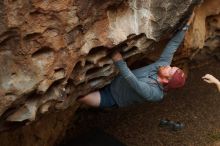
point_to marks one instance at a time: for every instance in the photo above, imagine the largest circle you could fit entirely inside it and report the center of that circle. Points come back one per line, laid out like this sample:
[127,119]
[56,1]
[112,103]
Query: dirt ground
[197,105]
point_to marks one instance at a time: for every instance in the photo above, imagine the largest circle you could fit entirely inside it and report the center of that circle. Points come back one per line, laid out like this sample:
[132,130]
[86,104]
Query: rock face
[50,49]
[203,40]
[53,51]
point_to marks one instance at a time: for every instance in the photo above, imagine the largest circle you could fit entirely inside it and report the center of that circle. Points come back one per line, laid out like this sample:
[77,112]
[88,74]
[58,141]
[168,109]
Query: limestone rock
[47,45]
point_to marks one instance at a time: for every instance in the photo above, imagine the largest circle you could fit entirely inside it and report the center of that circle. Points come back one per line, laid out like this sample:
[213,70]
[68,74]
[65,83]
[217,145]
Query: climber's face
[166,72]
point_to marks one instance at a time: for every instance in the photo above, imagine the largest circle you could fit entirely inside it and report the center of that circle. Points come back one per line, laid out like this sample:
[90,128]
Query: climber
[144,84]
[211,79]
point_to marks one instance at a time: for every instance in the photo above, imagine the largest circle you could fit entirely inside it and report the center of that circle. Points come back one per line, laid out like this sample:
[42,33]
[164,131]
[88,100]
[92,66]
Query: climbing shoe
[177,126]
[172,125]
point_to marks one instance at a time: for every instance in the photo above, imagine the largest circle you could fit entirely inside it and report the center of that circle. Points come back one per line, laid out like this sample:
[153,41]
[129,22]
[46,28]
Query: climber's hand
[116,56]
[190,19]
[210,79]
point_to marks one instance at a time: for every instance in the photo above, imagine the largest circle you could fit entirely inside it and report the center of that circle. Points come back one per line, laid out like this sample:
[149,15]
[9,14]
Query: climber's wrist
[186,27]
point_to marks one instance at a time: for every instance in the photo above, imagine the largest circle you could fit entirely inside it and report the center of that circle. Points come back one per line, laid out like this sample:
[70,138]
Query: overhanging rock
[55,51]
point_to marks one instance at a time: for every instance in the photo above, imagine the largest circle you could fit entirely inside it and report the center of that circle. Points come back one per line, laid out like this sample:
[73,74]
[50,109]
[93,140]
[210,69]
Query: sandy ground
[197,105]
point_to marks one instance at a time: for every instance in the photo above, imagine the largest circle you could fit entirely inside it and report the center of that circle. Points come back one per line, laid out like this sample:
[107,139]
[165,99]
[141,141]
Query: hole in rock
[42,51]
[95,69]
[31,36]
[96,49]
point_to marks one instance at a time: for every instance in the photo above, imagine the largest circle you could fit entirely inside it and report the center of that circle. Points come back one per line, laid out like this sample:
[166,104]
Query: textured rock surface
[203,40]
[53,48]
[54,51]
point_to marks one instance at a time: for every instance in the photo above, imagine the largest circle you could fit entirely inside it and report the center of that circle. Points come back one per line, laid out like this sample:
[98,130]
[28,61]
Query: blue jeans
[107,99]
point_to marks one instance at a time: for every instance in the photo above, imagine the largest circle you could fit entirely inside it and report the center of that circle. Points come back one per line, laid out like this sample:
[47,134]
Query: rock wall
[53,48]
[53,51]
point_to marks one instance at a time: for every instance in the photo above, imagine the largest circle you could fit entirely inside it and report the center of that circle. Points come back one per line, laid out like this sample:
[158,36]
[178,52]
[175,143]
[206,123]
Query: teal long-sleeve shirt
[140,85]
